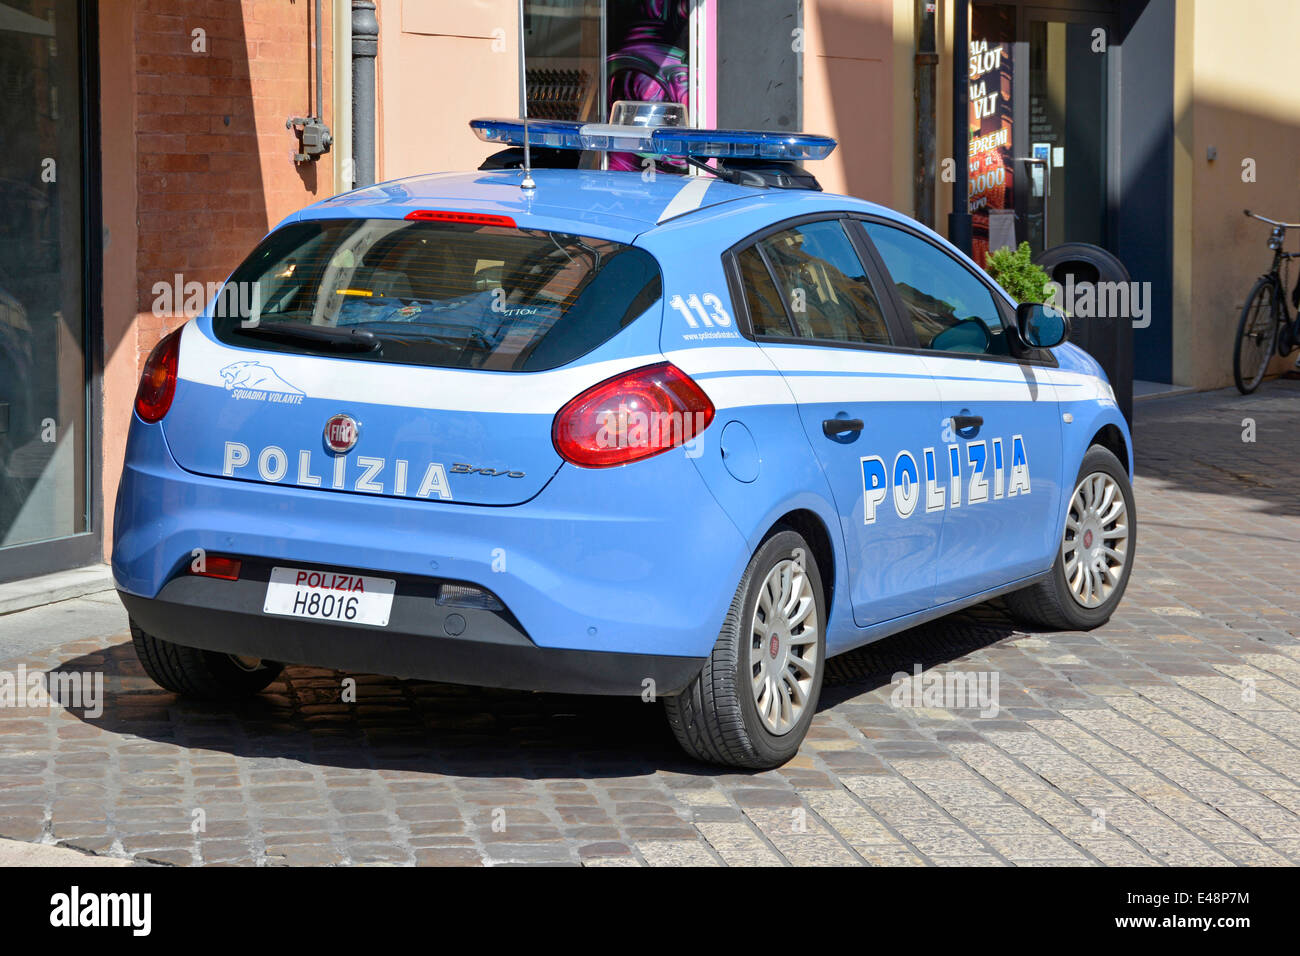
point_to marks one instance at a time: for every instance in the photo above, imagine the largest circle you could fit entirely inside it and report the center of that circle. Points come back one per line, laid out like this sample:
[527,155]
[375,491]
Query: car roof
[614,204]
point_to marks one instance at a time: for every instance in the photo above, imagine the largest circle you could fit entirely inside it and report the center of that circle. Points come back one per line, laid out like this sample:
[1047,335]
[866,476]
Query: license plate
[330,596]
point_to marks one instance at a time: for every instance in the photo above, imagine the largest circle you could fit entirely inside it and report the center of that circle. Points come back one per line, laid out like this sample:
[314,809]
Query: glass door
[1040,117]
[44,441]
[1064,194]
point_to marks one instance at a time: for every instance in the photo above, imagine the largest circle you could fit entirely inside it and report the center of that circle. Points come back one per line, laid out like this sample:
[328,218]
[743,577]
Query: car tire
[207,675]
[720,717]
[1074,597]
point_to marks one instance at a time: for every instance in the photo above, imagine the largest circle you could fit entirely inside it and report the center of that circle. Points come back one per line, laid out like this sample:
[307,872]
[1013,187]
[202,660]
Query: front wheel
[1257,334]
[207,675]
[1095,556]
[751,704]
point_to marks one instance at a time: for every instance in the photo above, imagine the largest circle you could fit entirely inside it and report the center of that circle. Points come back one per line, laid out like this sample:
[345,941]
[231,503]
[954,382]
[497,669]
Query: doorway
[1065,194]
[1062,151]
[1042,113]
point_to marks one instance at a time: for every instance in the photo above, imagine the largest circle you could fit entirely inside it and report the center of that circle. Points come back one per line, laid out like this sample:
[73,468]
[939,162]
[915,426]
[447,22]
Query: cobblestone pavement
[1169,736]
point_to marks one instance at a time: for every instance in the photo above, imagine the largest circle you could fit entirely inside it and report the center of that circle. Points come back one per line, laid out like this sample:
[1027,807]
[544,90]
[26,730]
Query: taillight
[217,566]
[630,417]
[463,218]
[158,383]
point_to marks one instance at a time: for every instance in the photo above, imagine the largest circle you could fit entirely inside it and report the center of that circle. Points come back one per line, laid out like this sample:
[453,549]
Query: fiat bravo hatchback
[575,430]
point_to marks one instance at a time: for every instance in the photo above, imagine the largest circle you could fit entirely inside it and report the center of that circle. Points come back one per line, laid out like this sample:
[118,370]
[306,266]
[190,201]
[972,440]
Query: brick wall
[213,167]
[196,164]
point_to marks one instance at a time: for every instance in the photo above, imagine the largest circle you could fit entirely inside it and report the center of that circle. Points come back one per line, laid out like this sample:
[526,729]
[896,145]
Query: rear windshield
[448,295]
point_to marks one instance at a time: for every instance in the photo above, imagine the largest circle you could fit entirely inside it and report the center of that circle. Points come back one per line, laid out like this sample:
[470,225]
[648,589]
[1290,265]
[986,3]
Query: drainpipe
[926,65]
[959,220]
[365,47]
[341,22]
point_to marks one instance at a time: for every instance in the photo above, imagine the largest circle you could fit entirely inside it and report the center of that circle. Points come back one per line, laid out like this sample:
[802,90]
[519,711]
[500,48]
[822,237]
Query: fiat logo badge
[341,433]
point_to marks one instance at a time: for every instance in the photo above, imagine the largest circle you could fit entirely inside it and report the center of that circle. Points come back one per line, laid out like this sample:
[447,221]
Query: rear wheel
[1257,334]
[192,672]
[1095,557]
[752,703]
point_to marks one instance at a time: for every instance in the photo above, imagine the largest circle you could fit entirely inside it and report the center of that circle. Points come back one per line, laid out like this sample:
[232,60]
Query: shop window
[582,56]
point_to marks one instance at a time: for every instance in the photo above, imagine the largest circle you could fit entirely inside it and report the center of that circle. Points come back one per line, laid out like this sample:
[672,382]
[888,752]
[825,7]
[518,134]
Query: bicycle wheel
[1287,339]
[1256,334]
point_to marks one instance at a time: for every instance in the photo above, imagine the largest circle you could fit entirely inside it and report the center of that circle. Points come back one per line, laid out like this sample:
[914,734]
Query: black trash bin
[1108,340]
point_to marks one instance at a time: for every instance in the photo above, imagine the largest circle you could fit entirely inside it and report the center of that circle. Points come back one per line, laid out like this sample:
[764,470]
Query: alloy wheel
[783,646]
[1094,549]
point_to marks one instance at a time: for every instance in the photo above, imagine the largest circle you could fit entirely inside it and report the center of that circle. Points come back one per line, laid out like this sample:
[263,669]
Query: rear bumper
[630,563]
[424,640]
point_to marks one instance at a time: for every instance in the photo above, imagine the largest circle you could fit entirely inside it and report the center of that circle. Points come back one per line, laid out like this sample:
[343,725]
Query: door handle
[836,426]
[961,423]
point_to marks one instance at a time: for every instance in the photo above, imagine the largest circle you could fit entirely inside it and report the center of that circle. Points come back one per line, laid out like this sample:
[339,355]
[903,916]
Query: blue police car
[565,429]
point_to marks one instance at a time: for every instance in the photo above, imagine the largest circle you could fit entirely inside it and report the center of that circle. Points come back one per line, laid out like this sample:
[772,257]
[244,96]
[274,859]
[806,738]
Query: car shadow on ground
[425,727]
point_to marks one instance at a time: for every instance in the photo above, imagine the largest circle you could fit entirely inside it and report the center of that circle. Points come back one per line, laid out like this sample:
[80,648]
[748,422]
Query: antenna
[528,183]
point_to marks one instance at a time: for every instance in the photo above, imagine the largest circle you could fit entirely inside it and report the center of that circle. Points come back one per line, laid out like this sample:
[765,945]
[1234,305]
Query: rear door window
[447,295]
[822,284]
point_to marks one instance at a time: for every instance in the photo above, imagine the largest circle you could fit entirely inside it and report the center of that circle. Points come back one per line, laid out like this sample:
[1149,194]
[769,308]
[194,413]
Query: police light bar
[654,140]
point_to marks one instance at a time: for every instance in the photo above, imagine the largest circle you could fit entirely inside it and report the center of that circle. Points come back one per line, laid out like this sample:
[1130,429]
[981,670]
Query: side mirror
[1041,326]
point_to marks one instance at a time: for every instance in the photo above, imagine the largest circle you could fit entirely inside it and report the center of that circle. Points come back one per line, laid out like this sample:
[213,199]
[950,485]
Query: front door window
[950,310]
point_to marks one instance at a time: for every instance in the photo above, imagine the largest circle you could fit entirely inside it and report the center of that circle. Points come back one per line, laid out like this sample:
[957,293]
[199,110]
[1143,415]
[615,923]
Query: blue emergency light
[655,140]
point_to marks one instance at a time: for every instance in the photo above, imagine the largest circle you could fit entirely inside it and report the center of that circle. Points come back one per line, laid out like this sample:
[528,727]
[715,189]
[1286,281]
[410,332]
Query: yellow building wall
[1236,92]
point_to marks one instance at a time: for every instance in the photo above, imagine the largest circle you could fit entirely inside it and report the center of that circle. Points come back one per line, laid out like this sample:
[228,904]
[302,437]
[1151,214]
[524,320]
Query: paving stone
[676,853]
[738,843]
[1169,736]
[500,853]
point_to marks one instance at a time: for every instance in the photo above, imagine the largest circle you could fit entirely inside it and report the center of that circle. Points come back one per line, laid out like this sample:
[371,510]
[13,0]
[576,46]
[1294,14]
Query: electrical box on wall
[314,137]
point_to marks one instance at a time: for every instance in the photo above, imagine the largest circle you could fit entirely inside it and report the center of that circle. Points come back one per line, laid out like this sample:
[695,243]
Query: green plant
[1015,271]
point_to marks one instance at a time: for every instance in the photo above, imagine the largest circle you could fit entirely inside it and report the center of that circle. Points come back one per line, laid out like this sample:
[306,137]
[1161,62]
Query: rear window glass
[448,295]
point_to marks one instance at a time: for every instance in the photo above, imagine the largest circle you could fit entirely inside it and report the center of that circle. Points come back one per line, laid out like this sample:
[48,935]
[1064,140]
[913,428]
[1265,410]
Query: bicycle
[1266,322]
